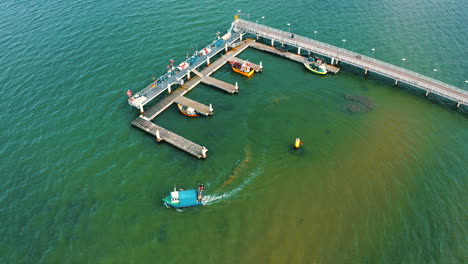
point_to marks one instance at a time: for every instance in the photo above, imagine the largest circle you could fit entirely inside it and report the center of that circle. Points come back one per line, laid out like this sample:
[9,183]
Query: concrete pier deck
[220,84]
[368,64]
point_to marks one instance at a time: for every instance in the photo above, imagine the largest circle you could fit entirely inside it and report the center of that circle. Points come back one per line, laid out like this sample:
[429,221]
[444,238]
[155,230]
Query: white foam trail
[212,199]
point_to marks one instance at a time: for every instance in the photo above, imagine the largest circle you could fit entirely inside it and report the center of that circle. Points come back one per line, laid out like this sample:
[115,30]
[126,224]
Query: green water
[81,185]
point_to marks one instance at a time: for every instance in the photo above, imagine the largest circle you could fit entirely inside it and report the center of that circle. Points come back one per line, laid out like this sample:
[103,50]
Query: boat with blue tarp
[184,198]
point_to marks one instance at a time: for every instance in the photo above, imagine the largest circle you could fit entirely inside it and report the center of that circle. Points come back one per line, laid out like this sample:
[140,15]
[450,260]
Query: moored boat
[315,65]
[188,111]
[242,68]
[184,198]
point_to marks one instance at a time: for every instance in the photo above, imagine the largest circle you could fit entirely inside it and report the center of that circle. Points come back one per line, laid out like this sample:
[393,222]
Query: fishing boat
[242,68]
[188,111]
[184,198]
[315,65]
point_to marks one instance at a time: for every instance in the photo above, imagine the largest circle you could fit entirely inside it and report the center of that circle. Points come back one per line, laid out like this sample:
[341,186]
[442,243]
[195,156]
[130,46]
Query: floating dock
[198,68]
[162,134]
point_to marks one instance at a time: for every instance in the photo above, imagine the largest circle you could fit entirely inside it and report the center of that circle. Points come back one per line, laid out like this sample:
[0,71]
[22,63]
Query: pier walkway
[192,72]
[170,137]
[399,74]
[155,110]
[288,55]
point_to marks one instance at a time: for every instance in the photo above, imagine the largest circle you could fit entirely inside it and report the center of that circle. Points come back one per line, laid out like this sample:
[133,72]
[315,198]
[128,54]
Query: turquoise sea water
[81,185]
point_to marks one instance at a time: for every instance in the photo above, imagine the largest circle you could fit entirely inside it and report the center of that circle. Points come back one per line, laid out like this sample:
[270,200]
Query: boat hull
[184,111]
[248,74]
[183,199]
[320,72]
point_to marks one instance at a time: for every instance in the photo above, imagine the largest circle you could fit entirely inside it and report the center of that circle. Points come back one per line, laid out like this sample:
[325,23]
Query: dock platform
[170,137]
[220,84]
[289,55]
[199,107]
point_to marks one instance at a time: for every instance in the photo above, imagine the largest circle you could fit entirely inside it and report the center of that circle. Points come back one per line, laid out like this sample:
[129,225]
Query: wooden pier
[232,43]
[399,74]
[162,134]
[220,84]
[288,55]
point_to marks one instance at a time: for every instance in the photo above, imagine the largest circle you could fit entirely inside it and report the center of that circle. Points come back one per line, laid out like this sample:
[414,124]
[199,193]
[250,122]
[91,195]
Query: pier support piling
[237,88]
[427,93]
[188,75]
[272,42]
[366,71]
[211,109]
[141,109]
[458,104]
[396,82]
[208,61]
[169,91]
[225,47]
[299,51]
[332,61]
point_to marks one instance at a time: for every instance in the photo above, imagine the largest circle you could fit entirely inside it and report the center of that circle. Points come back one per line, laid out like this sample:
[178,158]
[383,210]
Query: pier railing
[353,58]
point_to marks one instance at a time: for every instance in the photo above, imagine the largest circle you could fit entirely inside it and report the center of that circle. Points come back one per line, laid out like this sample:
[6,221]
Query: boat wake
[215,198]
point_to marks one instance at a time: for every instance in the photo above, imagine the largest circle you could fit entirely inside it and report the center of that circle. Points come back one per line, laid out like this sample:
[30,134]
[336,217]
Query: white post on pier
[203,151]
[169,89]
[225,47]
[211,109]
[208,61]
[237,88]
[332,61]
[158,136]
[272,42]
[241,37]
[299,51]
[141,109]
[261,66]
[188,75]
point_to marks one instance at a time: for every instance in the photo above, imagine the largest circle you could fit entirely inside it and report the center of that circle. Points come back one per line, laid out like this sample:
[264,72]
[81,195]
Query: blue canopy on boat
[188,198]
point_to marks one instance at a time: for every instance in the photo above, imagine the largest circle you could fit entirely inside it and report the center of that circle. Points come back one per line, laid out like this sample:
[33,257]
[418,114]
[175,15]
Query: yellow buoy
[297,143]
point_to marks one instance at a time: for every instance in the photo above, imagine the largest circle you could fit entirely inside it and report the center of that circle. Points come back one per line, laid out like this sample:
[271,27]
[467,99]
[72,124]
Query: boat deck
[255,67]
